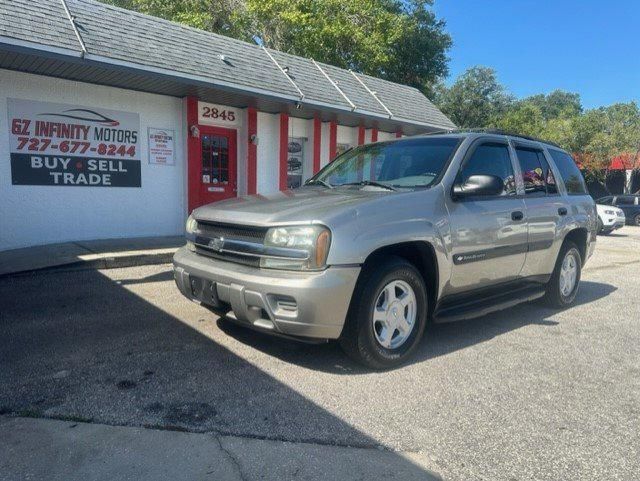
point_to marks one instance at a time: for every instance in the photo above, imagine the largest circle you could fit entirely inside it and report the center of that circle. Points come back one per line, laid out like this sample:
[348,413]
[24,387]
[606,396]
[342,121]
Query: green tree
[475,100]
[399,40]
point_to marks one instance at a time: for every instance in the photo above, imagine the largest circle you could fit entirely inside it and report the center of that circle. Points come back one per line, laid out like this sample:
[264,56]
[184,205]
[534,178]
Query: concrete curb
[120,261]
[98,254]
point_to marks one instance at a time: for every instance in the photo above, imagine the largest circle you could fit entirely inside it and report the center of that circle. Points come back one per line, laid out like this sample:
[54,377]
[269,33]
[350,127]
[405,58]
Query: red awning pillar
[333,140]
[361,135]
[374,135]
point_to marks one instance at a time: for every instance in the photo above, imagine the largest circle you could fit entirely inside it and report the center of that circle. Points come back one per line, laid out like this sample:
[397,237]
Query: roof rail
[493,131]
[284,72]
[72,19]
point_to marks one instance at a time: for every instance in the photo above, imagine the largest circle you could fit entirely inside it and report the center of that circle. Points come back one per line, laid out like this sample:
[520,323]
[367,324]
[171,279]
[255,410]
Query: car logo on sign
[216,244]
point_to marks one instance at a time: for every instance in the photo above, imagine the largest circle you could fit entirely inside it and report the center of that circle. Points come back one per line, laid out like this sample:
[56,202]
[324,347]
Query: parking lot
[528,393]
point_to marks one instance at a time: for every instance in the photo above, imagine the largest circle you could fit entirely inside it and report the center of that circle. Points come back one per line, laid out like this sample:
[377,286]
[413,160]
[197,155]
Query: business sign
[70,145]
[161,146]
[221,115]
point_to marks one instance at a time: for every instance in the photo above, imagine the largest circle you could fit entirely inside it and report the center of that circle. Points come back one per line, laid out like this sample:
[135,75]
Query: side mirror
[479,185]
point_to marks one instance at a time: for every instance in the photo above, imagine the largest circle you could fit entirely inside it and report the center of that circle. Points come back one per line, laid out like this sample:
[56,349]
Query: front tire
[387,316]
[565,280]
[636,220]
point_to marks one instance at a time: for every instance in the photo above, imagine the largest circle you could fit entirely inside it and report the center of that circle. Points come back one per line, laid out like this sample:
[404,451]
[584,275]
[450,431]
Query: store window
[295,162]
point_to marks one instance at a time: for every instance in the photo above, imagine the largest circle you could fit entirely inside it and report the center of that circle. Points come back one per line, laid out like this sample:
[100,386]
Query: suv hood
[303,205]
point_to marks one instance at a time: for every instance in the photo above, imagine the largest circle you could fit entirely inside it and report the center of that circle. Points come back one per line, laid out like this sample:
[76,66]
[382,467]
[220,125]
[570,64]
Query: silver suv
[393,235]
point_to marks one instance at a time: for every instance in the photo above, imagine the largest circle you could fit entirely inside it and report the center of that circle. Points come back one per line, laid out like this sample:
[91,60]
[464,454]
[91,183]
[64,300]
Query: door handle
[562,211]
[517,215]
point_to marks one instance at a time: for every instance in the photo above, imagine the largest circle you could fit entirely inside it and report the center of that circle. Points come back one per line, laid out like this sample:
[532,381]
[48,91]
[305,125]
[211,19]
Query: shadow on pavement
[79,346]
[440,339]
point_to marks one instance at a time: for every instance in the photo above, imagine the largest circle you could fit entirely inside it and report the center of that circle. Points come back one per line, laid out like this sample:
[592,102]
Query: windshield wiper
[372,183]
[318,182]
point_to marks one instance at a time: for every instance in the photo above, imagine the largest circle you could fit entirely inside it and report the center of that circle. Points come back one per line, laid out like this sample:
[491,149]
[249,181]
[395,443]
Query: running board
[486,305]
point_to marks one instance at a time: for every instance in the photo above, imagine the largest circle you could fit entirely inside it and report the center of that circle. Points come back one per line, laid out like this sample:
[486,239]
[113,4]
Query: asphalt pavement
[528,393]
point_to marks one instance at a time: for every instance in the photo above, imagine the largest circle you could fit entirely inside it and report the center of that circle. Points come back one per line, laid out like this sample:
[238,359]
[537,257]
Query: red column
[193,156]
[374,135]
[360,135]
[317,139]
[333,140]
[252,151]
[398,134]
[284,142]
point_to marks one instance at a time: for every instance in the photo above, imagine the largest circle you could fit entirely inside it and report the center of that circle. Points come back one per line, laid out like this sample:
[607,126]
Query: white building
[117,124]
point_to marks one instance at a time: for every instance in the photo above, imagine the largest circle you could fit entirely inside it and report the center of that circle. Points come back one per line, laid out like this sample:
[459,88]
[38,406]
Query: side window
[625,200]
[532,172]
[569,172]
[490,159]
[536,174]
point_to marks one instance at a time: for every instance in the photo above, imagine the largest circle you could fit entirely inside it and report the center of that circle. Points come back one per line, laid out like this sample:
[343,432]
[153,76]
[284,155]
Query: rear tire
[565,280]
[387,316]
[636,220]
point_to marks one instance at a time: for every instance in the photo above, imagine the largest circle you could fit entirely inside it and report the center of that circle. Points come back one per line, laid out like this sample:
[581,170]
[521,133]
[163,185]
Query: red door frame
[196,196]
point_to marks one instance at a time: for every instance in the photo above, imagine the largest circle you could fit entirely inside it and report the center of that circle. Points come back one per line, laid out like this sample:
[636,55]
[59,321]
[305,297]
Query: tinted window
[569,172]
[490,159]
[534,171]
[604,201]
[625,200]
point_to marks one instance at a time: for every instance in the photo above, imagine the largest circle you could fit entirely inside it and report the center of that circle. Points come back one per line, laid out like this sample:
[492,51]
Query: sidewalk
[95,254]
[62,450]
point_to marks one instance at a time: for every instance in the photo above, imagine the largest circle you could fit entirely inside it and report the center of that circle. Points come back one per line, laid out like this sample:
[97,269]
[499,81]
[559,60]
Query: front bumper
[300,304]
[612,222]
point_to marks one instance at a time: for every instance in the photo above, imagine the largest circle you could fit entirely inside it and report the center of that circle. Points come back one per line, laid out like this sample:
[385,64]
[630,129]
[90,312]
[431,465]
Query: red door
[213,167]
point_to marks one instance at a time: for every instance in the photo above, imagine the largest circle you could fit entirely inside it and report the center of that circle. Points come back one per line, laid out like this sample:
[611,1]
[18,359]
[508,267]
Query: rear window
[573,180]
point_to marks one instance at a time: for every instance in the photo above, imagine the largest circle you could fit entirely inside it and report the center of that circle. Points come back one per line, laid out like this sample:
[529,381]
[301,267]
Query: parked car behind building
[610,218]
[630,205]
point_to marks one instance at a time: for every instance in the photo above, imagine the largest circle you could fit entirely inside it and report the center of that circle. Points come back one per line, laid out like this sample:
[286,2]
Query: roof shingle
[125,36]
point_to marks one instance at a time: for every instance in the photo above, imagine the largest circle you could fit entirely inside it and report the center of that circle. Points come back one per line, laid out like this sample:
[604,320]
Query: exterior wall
[32,215]
[348,135]
[268,150]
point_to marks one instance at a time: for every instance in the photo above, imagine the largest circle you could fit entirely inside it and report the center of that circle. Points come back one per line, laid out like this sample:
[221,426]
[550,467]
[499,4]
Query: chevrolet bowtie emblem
[216,244]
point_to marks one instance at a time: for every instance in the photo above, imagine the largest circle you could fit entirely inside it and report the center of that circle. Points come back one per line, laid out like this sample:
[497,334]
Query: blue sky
[590,47]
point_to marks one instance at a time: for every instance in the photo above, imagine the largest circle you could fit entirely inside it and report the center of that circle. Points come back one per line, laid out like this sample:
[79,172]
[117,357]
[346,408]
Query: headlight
[311,240]
[191,229]
[610,212]
[192,225]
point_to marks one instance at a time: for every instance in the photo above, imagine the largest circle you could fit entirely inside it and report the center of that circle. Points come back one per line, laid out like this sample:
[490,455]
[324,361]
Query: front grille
[228,257]
[232,231]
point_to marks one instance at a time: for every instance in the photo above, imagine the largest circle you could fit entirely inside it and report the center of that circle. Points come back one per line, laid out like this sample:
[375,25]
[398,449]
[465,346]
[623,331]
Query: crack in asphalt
[231,457]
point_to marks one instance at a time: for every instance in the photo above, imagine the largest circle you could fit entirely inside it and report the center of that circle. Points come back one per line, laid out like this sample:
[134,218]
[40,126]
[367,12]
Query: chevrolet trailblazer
[393,235]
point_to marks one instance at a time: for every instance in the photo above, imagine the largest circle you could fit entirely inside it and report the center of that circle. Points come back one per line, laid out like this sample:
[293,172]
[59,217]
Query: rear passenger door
[545,209]
[489,233]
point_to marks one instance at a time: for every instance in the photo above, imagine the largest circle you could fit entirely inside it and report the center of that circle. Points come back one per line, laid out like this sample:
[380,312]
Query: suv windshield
[405,164]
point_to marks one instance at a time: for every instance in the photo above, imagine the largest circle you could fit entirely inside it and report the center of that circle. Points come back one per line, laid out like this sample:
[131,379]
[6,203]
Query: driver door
[488,233]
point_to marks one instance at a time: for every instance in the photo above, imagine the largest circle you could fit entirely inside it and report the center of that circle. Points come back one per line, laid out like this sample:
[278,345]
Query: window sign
[71,145]
[221,115]
[295,162]
[161,146]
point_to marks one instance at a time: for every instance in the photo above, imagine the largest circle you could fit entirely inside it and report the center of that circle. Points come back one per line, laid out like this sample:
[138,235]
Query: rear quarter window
[571,175]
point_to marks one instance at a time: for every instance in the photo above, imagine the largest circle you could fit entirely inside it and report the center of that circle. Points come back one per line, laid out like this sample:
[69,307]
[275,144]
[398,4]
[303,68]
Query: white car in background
[610,218]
